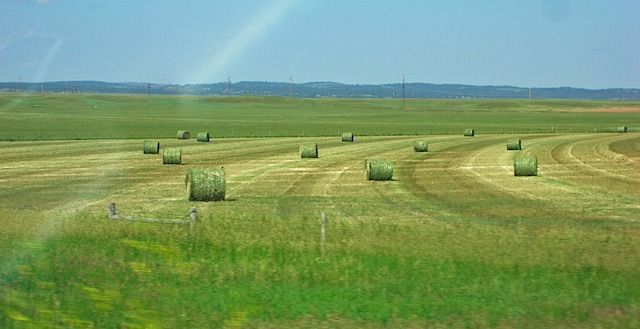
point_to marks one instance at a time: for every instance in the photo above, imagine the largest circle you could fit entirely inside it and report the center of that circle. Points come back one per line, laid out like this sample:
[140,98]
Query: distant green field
[94,116]
[453,240]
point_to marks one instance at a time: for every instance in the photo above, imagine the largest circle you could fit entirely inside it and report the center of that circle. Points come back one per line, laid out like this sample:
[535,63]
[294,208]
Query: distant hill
[325,89]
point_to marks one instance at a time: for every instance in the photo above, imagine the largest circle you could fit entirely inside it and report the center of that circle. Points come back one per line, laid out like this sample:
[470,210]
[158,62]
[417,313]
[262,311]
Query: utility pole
[290,82]
[403,91]
[228,85]
[148,89]
[19,83]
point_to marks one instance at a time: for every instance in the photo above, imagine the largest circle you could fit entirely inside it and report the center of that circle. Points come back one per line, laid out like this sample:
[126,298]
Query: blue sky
[535,43]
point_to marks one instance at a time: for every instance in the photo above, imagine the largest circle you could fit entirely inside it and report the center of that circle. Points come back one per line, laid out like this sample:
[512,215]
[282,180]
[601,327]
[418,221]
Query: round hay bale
[378,169]
[203,137]
[622,129]
[514,144]
[183,134]
[420,146]
[151,147]
[206,184]
[309,151]
[347,137]
[525,165]
[172,156]
[469,133]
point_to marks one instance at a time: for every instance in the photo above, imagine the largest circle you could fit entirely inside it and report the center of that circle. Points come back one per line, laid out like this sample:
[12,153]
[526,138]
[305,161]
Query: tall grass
[271,270]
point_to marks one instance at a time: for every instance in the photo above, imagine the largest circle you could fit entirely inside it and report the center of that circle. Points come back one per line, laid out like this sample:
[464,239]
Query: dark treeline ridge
[322,89]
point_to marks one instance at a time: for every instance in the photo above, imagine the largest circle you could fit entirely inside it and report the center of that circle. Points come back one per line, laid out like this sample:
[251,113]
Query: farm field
[96,116]
[453,240]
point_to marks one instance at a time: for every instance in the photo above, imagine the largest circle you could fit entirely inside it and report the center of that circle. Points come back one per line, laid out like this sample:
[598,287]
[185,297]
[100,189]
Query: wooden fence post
[192,222]
[112,209]
[322,232]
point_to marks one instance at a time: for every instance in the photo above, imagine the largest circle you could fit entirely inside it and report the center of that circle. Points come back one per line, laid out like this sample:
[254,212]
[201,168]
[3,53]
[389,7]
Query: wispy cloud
[30,65]
[256,29]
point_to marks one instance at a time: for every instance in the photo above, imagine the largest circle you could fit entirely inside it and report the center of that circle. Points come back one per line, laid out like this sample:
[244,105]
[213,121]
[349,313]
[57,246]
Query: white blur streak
[15,37]
[51,52]
[258,27]
[48,57]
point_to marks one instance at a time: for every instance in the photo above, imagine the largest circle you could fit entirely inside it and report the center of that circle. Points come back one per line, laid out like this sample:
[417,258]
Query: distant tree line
[323,89]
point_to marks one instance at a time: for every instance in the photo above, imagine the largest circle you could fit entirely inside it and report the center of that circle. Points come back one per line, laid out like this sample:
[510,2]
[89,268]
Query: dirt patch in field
[603,110]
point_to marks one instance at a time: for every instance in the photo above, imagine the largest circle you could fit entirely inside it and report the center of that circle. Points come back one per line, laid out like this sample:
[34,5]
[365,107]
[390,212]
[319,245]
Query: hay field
[453,240]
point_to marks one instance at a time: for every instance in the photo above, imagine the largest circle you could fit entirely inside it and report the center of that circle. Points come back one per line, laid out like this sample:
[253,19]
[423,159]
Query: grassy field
[79,116]
[454,240]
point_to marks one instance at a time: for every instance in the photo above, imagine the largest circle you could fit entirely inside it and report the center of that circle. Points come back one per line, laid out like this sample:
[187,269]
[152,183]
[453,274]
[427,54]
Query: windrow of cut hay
[172,156]
[309,151]
[151,147]
[378,169]
[420,146]
[183,134]
[514,144]
[525,165]
[206,184]
[202,137]
[347,137]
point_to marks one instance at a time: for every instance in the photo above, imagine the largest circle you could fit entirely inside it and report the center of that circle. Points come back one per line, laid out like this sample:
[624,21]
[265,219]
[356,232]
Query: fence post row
[191,221]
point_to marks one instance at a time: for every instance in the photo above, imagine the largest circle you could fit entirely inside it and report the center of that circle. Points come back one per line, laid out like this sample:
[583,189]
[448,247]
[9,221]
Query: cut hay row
[525,165]
[183,134]
[206,184]
[420,146]
[309,151]
[378,169]
[514,144]
[151,147]
[202,137]
[172,156]
[347,137]
[469,133]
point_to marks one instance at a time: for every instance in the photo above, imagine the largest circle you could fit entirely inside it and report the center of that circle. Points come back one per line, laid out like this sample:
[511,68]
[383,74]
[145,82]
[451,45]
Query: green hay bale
[206,184]
[309,151]
[378,169]
[420,146]
[514,144]
[183,134]
[172,156]
[347,137]
[525,165]
[622,129]
[151,147]
[469,133]
[203,137]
